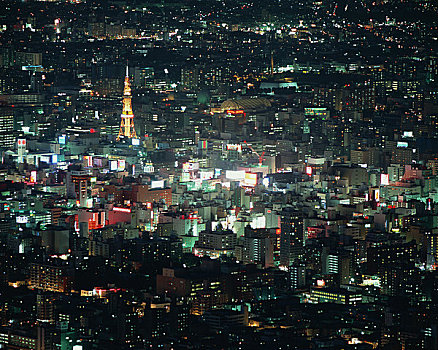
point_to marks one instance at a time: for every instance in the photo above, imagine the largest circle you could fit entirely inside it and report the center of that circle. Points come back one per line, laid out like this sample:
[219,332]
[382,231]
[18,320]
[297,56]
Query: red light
[92,131]
[235,111]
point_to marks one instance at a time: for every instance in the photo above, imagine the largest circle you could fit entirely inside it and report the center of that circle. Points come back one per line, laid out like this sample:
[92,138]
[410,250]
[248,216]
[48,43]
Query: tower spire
[127,117]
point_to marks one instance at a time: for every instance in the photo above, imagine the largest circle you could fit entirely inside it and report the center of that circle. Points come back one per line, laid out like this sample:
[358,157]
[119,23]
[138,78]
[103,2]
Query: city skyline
[219,174]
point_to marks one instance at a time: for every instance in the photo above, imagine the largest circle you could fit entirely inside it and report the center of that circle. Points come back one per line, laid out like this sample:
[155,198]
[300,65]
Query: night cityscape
[219,174]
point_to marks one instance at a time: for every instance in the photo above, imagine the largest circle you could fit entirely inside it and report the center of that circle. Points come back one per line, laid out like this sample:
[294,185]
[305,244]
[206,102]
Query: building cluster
[224,174]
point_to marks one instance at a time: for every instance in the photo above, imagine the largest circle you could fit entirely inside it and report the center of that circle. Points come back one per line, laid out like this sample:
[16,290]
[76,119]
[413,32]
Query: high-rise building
[127,117]
[78,183]
[338,263]
[7,138]
[291,237]
[297,275]
[50,277]
[45,307]
[144,77]
[259,246]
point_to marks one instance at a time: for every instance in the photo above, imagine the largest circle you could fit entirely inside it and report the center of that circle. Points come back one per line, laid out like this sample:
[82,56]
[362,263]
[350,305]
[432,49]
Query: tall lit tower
[127,123]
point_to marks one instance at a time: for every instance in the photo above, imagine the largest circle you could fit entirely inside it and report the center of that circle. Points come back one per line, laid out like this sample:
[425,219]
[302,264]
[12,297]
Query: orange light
[235,111]
[320,283]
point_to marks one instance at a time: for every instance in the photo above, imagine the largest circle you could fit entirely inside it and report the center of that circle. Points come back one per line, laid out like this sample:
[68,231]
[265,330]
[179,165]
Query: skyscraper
[7,138]
[127,117]
[291,237]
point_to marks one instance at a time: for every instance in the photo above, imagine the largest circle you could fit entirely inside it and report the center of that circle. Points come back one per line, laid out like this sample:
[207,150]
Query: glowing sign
[206,175]
[61,140]
[320,283]
[402,144]
[384,179]
[45,159]
[235,111]
[54,159]
[250,179]
[203,144]
[185,177]
[190,166]
[309,170]
[237,175]
[21,219]
[136,142]
[371,281]
[318,112]
[121,163]
[149,205]
[122,210]
[33,176]
[234,147]
[113,165]
[157,184]
[376,195]
[89,160]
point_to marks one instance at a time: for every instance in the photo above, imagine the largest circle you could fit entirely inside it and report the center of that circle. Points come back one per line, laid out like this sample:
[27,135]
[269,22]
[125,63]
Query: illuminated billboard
[122,210]
[206,175]
[157,184]
[235,112]
[185,177]
[384,179]
[33,176]
[250,179]
[203,144]
[234,147]
[21,219]
[317,112]
[113,165]
[237,175]
[121,164]
[88,161]
[190,166]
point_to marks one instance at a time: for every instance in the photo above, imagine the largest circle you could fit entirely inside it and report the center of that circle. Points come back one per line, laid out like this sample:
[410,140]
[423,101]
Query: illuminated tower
[127,123]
